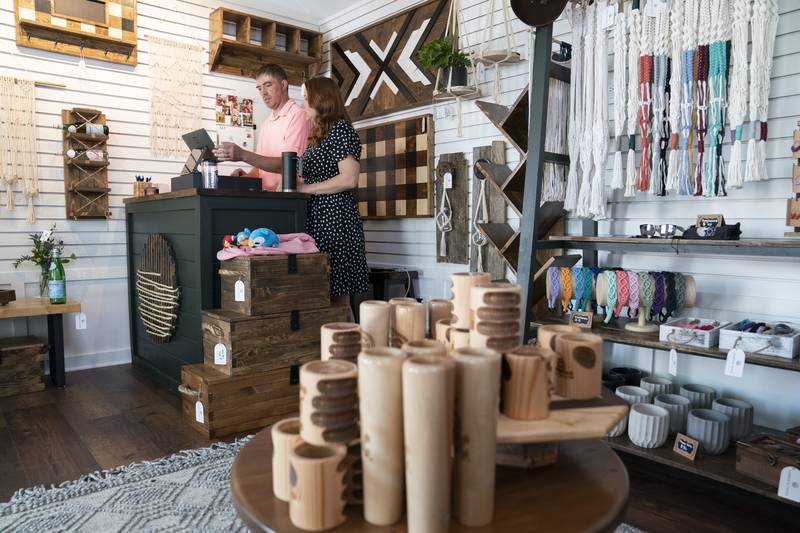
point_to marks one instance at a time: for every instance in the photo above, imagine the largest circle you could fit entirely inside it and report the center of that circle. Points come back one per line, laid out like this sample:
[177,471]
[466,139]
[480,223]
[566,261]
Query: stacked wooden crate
[253,347]
[21,365]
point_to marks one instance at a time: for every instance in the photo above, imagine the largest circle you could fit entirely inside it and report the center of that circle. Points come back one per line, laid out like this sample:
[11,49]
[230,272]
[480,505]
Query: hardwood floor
[113,416]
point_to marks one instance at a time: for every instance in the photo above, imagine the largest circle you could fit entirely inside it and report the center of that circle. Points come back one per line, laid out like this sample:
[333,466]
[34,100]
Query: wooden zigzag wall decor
[377,68]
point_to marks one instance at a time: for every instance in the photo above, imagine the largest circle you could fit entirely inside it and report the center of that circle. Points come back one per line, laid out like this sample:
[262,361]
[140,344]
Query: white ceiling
[311,12]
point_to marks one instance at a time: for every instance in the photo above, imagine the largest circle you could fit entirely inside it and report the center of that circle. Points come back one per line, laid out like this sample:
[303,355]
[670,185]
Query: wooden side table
[30,307]
[586,490]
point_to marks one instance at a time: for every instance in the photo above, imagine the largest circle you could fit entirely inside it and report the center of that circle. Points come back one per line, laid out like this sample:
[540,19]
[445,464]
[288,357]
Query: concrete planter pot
[678,407]
[632,395]
[741,414]
[701,396]
[648,425]
[656,386]
[711,428]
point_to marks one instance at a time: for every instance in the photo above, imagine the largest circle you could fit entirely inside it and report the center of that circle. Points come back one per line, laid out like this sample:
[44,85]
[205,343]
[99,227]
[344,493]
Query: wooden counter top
[37,307]
[227,193]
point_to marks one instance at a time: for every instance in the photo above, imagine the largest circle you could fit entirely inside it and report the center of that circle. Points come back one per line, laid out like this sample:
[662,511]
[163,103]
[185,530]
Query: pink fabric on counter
[290,243]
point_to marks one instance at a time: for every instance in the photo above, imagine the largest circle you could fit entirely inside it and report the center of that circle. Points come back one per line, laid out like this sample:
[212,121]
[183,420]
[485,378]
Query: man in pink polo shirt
[285,130]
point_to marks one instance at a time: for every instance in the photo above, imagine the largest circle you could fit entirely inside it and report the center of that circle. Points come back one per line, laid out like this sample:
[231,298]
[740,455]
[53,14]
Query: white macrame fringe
[630,168]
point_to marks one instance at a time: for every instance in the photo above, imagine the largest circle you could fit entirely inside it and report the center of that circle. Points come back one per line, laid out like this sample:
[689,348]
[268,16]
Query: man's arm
[234,152]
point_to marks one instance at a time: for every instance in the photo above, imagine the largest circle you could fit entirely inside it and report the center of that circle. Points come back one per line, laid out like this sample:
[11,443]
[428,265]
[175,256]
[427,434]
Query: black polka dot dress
[333,219]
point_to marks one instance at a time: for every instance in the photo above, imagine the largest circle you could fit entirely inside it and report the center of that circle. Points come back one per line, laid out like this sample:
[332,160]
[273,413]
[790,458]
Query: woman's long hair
[324,97]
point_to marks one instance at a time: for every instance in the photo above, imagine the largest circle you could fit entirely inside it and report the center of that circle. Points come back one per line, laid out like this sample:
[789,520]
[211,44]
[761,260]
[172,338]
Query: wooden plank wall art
[376,67]
[158,295]
[103,30]
[396,179]
[456,238]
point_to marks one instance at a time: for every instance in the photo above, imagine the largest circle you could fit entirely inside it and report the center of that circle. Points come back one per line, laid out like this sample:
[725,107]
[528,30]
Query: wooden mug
[285,436]
[409,322]
[342,340]
[328,402]
[424,347]
[442,331]
[393,303]
[459,338]
[528,380]
[580,365]
[494,296]
[373,317]
[317,476]
[462,285]
[438,310]
[546,335]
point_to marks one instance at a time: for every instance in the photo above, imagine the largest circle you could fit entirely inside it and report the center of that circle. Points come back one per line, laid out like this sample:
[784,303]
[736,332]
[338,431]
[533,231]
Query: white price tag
[673,362]
[238,291]
[198,412]
[789,485]
[448,180]
[220,354]
[734,364]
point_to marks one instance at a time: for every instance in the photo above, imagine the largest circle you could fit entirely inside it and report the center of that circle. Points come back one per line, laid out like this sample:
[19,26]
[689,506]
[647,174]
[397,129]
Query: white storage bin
[787,346]
[674,334]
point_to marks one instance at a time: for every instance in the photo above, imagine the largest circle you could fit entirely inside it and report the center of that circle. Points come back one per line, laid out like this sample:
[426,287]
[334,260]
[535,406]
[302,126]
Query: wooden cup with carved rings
[329,402]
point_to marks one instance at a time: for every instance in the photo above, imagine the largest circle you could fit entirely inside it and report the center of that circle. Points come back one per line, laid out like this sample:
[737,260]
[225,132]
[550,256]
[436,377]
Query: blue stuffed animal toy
[243,238]
[263,237]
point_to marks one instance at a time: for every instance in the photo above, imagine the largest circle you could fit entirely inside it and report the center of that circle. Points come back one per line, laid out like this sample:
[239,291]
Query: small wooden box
[265,342]
[672,333]
[763,457]
[233,404]
[21,365]
[276,284]
[786,346]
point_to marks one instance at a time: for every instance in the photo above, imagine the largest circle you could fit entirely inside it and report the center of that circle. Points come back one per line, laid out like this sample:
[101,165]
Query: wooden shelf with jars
[241,43]
[85,163]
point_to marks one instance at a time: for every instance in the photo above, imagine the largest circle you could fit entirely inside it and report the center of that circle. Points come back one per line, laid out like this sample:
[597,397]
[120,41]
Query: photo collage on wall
[235,120]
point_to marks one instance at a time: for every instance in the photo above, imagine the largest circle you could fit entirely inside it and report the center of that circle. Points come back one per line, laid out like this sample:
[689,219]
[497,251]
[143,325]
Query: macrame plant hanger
[494,57]
[737,110]
[713,177]
[448,91]
[481,216]
[575,15]
[444,211]
[620,89]
[634,22]
[685,186]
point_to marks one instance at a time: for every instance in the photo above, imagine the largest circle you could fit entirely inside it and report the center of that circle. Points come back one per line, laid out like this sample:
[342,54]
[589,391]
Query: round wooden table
[586,490]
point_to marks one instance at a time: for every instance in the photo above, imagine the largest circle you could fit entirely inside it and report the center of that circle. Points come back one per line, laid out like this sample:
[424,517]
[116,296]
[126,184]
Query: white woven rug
[185,492]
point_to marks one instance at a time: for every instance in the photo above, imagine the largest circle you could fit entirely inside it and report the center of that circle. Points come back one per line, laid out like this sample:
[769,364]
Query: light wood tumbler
[328,402]
[462,285]
[285,436]
[495,315]
[341,340]
[528,382]
[459,338]
[317,476]
[477,396]
[438,310]
[393,302]
[380,392]
[546,335]
[373,316]
[428,396]
[409,324]
[579,370]
[442,331]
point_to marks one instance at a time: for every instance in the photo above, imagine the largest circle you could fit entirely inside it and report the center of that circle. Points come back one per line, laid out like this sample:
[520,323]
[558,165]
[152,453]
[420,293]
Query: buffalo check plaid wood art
[396,179]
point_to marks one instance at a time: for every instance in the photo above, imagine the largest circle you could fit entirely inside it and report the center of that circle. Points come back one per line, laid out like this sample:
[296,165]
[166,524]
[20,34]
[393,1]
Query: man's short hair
[272,70]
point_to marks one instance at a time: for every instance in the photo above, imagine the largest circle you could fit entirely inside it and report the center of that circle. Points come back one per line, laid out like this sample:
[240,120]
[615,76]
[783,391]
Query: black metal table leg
[55,336]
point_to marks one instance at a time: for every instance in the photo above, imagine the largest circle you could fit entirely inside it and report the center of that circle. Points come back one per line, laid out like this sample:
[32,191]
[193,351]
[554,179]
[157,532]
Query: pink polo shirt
[285,130]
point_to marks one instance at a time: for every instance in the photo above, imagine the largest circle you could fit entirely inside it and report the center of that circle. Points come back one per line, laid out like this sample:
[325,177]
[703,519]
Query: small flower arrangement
[42,252]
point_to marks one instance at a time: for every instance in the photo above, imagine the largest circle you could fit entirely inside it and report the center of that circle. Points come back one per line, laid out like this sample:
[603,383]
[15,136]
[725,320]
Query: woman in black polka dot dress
[330,172]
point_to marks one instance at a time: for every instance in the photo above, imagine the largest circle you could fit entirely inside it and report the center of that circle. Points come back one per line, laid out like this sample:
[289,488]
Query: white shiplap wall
[729,287]
[98,277]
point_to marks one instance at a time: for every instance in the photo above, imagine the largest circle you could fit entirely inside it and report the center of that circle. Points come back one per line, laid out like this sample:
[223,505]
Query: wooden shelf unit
[783,247]
[85,181]
[720,468]
[257,41]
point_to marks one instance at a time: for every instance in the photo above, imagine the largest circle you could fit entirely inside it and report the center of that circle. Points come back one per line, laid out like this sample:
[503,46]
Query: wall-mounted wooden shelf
[114,40]
[85,180]
[241,43]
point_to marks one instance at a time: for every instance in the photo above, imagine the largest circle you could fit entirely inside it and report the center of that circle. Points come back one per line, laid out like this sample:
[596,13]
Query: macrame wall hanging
[176,81]
[491,56]
[18,163]
[157,292]
[737,108]
[554,177]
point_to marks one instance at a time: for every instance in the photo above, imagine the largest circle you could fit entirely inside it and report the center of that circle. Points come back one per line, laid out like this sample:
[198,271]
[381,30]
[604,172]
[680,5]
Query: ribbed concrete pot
[741,414]
[656,386]
[711,428]
[648,425]
[678,407]
[632,395]
[632,375]
[701,396]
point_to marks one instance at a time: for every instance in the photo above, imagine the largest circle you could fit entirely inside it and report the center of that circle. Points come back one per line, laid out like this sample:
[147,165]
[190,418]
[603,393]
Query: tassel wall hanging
[575,15]
[634,20]
[675,90]
[737,109]
[584,194]
[645,86]
[597,205]
[620,110]
[713,177]
[685,187]
[659,98]
[764,26]
[18,151]
[704,39]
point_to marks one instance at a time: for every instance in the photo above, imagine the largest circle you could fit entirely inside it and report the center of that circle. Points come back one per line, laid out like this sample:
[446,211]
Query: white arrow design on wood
[363,74]
[405,62]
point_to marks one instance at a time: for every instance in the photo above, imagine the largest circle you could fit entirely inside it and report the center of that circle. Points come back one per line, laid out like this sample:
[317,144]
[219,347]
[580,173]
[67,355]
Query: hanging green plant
[442,53]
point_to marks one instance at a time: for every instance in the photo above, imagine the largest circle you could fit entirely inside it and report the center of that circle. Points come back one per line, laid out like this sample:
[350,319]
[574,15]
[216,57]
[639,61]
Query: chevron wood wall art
[377,68]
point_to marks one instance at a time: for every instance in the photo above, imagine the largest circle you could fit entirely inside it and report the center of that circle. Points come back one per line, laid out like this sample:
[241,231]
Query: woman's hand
[239,172]
[229,152]
[307,188]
